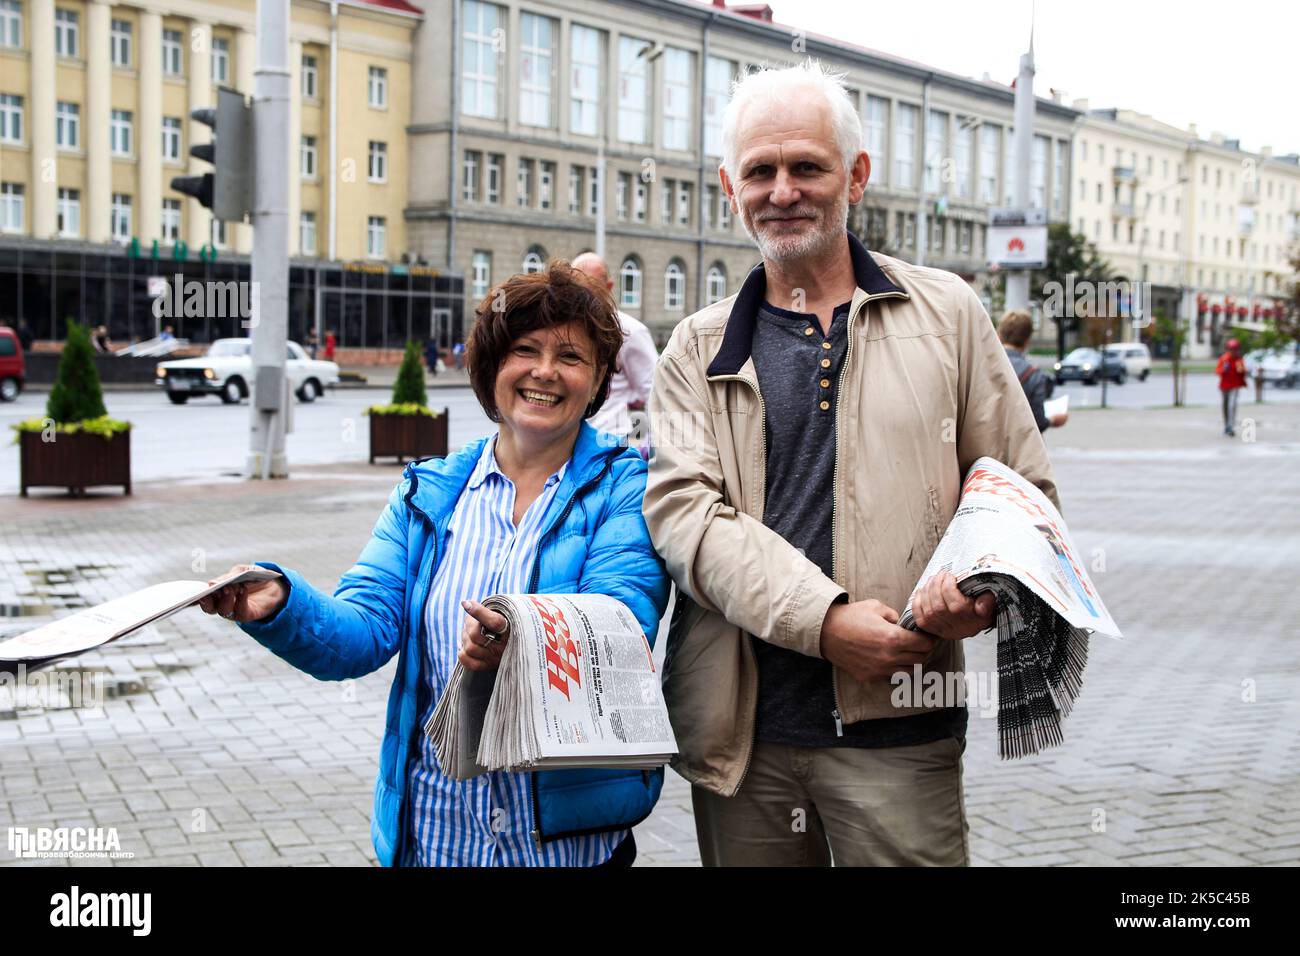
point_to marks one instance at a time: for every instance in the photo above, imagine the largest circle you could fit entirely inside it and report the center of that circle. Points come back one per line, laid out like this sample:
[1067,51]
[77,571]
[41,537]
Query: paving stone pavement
[1184,747]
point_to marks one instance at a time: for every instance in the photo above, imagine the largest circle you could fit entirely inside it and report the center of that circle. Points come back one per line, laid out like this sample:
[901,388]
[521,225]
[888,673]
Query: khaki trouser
[803,806]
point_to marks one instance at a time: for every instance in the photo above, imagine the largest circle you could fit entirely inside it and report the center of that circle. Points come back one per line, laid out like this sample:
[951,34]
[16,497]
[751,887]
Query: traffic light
[227,191]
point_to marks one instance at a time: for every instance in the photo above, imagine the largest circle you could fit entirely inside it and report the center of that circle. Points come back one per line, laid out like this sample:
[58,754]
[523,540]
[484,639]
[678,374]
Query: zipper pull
[839,725]
[536,834]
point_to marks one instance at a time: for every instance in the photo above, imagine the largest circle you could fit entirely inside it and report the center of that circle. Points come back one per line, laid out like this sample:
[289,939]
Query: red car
[12,371]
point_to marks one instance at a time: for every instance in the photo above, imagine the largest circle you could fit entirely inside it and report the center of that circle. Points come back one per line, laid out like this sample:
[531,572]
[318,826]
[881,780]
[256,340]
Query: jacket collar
[738,339]
[436,483]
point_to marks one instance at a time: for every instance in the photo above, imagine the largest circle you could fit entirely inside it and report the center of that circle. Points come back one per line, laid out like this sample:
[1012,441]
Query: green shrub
[409,387]
[76,396]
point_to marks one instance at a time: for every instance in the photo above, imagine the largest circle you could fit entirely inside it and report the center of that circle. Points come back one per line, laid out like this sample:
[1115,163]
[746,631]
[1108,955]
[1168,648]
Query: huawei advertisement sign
[1017,238]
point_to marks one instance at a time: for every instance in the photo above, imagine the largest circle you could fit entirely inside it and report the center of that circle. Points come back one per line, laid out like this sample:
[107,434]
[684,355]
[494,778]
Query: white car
[1281,366]
[227,371]
[1136,358]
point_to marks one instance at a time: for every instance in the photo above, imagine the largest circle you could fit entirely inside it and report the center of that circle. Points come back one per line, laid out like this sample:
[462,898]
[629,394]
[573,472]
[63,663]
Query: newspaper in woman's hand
[576,687]
[1008,538]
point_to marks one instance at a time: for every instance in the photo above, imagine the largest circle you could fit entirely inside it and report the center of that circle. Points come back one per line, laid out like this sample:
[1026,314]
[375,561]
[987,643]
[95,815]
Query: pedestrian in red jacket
[1232,378]
[331,342]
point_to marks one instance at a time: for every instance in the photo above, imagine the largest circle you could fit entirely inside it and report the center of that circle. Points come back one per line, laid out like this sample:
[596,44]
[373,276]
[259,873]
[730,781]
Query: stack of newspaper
[1008,538]
[577,687]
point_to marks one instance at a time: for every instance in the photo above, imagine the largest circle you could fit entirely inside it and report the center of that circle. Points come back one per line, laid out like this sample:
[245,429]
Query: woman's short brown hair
[526,303]
[1015,328]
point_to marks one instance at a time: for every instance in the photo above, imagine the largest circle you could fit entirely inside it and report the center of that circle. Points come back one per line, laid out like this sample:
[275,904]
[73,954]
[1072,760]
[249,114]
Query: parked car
[1135,356]
[13,371]
[227,371]
[1280,366]
[1090,366]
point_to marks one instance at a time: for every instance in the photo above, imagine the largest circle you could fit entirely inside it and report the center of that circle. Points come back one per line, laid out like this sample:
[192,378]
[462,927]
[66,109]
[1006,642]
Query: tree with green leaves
[409,389]
[1068,254]
[76,396]
[1174,330]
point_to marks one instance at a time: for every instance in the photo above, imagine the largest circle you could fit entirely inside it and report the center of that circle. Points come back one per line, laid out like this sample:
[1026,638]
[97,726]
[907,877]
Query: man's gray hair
[779,87]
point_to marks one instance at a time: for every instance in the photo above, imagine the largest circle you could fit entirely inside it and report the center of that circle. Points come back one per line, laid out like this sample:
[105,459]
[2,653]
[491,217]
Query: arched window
[674,287]
[630,284]
[534,260]
[717,283]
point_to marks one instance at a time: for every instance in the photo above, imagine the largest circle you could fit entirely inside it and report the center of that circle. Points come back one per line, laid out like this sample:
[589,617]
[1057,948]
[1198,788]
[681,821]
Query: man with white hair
[631,381]
[811,435]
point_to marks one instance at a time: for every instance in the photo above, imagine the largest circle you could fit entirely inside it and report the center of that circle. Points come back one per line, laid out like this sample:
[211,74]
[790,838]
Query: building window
[966,230]
[65,33]
[621,192]
[1008,165]
[119,133]
[536,55]
[12,202]
[640,196]
[707,202]
[11,118]
[171,134]
[718,74]
[11,23]
[584,87]
[534,261]
[905,147]
[377,162]
[376,230]
[936,148]
[217,233]
[469,177]
[481,272]
[1058,176]
[716,284]
[220,60]
[629,284]
[171,53]
[683,203]
[307,157]
[666,190]
[724,210]
[377,87]
[594,186]
[120,43]
[308,77]
[545,184]
[524,183]
[479,73]
[575,190]
[677,95]
[963,155]
[876,133]
[70,213]
[171,220]
[495,163]
[674,287]
[633,89]
[67,125]
[121,217]
[307,233]
[988,164]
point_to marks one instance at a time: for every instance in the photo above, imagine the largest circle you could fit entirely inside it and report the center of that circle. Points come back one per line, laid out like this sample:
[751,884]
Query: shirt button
[826,363]
[826,383]
[808,331]
[825,405]
[826,346]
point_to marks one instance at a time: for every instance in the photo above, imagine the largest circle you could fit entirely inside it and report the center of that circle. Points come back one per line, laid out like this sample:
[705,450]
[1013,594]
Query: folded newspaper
[577,687]
[1008,538]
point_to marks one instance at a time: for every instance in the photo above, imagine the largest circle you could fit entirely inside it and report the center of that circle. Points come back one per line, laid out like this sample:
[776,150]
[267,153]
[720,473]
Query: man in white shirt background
[630,384]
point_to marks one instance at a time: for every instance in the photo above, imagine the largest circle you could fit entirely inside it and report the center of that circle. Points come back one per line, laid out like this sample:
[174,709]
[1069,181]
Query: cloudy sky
[1227,66]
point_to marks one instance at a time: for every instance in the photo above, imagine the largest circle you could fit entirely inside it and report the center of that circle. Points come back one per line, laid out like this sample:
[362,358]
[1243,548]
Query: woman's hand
[247,602]
[477,651]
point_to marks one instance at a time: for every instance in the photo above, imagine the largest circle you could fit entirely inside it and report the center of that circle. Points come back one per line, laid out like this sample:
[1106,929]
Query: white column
[245,62]
[295,139]
[99,165]
[40,119]
[149,139]
[199,89]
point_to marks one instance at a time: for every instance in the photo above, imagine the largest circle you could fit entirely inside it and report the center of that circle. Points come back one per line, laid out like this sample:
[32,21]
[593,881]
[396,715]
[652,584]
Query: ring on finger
[489,637]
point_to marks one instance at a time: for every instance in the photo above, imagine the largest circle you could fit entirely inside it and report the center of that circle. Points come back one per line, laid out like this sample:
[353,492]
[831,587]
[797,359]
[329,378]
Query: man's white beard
[810,245]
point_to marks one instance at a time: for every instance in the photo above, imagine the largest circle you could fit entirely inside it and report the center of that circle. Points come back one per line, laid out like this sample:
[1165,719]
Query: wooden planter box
[407,436]
[75,461]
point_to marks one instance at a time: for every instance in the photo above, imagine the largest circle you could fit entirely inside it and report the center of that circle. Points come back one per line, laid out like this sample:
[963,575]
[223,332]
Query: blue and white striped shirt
[486,821]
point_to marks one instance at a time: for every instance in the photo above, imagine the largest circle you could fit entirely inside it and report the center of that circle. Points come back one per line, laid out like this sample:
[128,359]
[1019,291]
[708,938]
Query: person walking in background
[1232,379]
[431,356]
[331,343]
[629,387]
[312,344]
[101,340]
[25,335]
[1015,330]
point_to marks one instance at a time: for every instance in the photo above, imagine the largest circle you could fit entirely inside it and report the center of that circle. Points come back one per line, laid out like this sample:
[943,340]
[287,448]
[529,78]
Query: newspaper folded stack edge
[576,687]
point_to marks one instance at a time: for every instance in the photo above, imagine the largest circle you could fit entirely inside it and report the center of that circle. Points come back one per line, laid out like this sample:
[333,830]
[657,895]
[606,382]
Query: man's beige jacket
[924,390]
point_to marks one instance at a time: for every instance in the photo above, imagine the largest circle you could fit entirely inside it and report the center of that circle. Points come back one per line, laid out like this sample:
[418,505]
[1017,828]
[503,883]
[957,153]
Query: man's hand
[864,640]
[1059,419]
[941,609]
